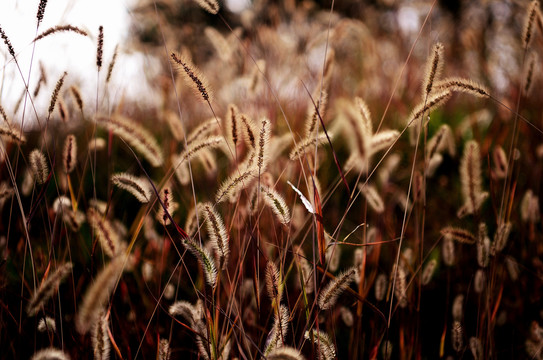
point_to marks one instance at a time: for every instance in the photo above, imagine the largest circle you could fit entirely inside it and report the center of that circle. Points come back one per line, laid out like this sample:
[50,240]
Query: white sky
[68,51]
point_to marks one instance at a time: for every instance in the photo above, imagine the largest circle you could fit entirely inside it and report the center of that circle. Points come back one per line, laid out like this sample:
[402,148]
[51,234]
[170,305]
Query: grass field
[300,180]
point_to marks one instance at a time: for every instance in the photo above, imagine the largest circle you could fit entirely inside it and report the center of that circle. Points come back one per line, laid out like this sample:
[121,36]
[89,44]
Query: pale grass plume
[7,42]
[512,268]
[442,140]
[274,282]
[458,307]
[208,161]
[333,253]
[428,271]
[47,324]
[356,127]
[3,112]
[96,144]
[41,11]
[97,294]
[381,284]
[277,203]
[530,73]
[192,76]
[501,165]
[471,179]
[479,281]
[202,342]
[76,96]
[100,47]
[313,112]
[47,288]
[63,206]
[457,336]
[217,232]
[346,316]
[139,187]
[388,168]
[262,155]
[305,271]
[61,28]
[12,133]
[105,232]
[400,288]
[219,42]
[253,200]
[211,6]
[433,164]
[448,250]
[325,345]
[164,349]
[528,31]
[365,113]
[483,246]
[69,155]
[467,86]
[174,124]
[529,207]
[50,354]
[435,100]
[168,206]
[193,150]
[383,140]
[329,295]
[191,221]
[99,205]
[276,337]
[205,259]
[63,111]
[372,197]
[73,218]
[285,353]
[56,92]
[112,64]
[434,66]
[307,146]
[502,236]
[41,81]
[248,130]
[181,169]
[533,349]
[39,167]
[235,183]
[184,309]
[100,339]
[476,348]
[458,234]
[232,127]
[202,131]
[135,135]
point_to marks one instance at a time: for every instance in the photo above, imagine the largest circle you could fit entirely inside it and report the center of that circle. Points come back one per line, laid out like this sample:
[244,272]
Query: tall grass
[353,189]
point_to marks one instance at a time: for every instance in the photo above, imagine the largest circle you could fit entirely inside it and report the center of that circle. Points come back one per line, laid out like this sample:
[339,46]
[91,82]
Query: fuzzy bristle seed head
[56,92]
[211,6]
[193,76]
[100,47]
[139,187]
[39,167]
[69,156]
[433,68]
[41,10]
[329,295]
